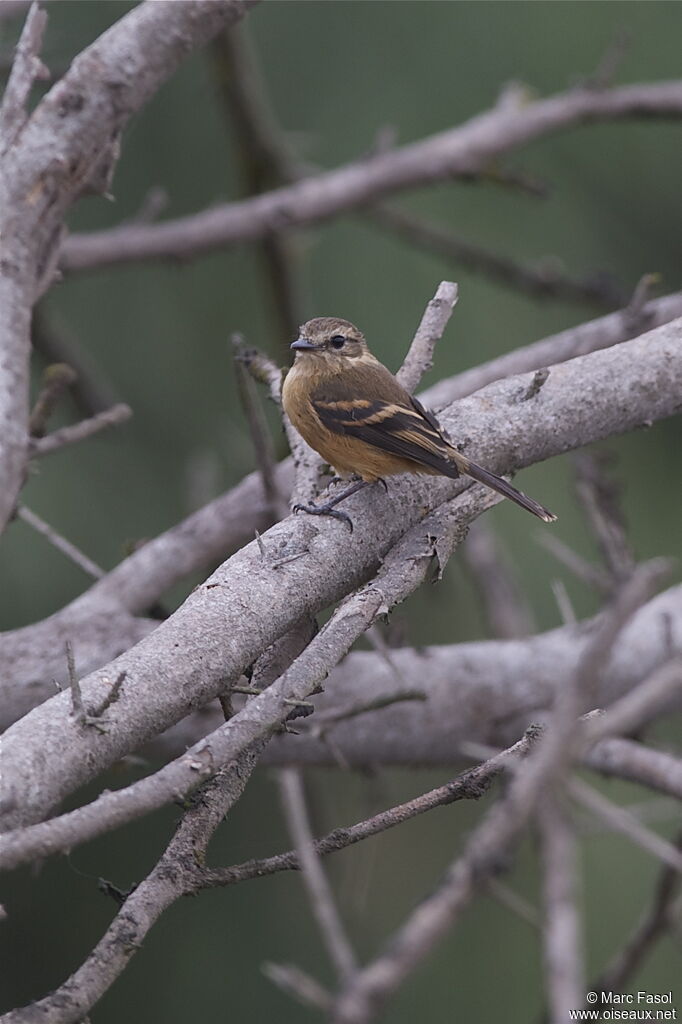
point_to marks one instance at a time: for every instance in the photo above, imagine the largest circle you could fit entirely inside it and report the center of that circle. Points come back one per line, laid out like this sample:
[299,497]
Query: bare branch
[655,921]
[315,880]
[543,279]
[599,496]
[266,162]
[26,68]
[562,931]
[636,708]
[80,119]
[56,379]
[506,609]
[419,358]
[51,340]
[298,984]
[260,435]
[59,542]
[575,341]
[462,151]
[620,819]
[81,431]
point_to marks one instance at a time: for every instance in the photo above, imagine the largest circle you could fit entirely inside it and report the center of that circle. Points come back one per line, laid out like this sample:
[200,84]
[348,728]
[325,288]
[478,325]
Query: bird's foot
[325,510]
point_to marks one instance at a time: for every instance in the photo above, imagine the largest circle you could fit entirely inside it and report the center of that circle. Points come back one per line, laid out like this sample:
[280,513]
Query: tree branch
[70,141]
[460,152]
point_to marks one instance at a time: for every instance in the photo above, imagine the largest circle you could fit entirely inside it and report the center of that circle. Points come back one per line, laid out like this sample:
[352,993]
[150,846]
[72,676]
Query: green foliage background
[339,72]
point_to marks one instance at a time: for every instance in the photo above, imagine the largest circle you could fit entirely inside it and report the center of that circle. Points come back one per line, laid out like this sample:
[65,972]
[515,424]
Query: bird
[351,409]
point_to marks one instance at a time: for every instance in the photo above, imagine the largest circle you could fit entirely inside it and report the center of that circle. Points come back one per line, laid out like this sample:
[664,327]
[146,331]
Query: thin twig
[656,920]
[590,574]
[56,379]
[50,338]
[544,279]
[636,708]
[81,431]
[620,819]
[260,435]
[266,162]
[506,609]
[308,464]
[319,891]
[600,499]
[60,543]
[297,983]
[563,602]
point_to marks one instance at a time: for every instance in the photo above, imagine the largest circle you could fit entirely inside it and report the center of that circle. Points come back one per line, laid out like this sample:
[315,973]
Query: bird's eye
[338,341]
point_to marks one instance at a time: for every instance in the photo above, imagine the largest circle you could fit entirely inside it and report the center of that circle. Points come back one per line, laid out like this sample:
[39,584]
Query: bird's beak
[302,344]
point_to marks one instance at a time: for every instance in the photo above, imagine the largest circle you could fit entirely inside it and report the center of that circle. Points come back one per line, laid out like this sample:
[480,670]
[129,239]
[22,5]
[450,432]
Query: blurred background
[598,204]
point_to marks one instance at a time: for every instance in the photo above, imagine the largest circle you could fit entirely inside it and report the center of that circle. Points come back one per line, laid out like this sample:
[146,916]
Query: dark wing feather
[395,422]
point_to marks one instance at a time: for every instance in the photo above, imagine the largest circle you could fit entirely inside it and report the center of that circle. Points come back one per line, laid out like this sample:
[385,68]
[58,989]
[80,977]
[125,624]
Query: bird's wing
[390,420]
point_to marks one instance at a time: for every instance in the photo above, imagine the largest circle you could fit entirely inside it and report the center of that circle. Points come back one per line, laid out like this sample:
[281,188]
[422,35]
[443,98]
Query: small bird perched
[350,408]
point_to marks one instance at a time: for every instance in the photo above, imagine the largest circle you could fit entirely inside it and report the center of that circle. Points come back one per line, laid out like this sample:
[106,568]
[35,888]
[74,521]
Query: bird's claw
[324,510]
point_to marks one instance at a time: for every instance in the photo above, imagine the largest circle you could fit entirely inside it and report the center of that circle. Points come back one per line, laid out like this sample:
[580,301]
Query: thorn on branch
[604,74]
[79,713]
[635,316]
[537,383]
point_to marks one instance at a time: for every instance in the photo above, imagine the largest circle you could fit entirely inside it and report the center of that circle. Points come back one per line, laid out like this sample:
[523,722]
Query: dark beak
[302,344]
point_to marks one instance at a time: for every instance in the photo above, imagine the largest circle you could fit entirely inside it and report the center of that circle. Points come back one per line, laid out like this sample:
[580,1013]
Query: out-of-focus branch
[266,162]
[81,119]
[174,875]
[319,891]
[562,939]
[506,609]
[91,393]
[59,542]
[540,280]
[368,991]
[575,341]
[655,921]
[112,417]
[463,151]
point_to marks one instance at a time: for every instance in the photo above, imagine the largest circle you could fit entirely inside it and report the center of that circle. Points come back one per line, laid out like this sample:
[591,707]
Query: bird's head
[330,339]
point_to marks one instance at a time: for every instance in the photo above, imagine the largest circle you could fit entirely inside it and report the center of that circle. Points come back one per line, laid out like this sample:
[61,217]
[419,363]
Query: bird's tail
[484,476]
